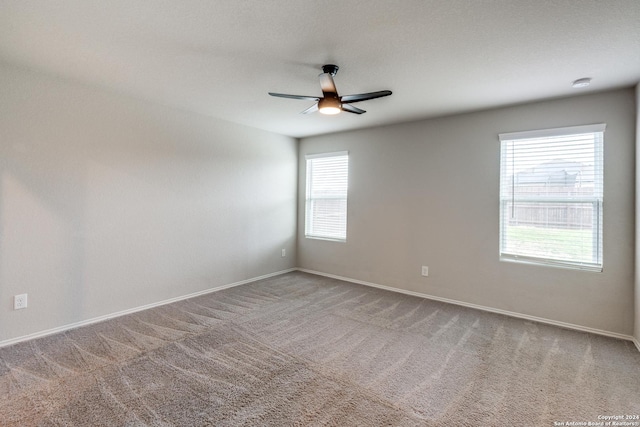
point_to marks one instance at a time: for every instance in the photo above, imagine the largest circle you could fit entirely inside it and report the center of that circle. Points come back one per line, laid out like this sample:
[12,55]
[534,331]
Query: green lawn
[550,242]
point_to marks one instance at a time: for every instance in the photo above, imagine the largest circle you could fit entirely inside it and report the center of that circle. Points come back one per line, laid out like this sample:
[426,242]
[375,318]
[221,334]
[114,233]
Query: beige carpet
[305,350]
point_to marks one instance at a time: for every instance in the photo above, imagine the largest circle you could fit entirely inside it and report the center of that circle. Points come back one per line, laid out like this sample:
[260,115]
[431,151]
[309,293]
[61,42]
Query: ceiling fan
[330,102]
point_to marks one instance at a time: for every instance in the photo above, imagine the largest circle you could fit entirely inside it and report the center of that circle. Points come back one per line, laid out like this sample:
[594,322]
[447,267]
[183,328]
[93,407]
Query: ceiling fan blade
[311,109]
[303,97]
[352,109]
[365,96]
[327,84]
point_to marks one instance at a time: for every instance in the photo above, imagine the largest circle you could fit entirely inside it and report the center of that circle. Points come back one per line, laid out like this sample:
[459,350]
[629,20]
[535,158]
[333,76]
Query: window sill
[550,263]
[328,239]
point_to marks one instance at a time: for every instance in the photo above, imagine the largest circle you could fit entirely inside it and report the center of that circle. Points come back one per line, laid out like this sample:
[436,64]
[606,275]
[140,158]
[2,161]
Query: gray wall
[109,203]
[637,233]
[426,193]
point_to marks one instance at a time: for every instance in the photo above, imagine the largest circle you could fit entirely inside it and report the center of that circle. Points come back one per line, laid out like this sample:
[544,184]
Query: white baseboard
[333,276]
[136,309]
[481,307]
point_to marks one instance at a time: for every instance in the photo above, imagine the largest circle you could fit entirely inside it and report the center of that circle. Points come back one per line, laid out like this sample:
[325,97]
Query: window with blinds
[551,194]
[326,199]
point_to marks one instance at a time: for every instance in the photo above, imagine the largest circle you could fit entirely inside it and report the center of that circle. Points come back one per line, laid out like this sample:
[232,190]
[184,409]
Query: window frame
[597,199]
[309,232]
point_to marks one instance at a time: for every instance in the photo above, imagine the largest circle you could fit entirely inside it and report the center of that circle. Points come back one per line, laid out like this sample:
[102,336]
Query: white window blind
[551,196]
[326,200]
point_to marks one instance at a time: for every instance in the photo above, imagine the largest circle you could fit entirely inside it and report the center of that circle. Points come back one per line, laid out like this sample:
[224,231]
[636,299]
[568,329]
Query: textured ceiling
[220,58]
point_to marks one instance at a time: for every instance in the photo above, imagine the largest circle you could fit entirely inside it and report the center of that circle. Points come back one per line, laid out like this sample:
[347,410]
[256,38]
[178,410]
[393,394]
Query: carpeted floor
[305,350]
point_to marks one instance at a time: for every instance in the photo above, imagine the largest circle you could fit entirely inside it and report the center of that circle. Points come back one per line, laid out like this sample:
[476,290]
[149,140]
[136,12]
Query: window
[326,201]
[551,192]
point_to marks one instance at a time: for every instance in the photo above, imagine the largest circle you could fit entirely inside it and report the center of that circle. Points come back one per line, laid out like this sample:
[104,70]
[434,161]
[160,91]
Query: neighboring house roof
[557,172]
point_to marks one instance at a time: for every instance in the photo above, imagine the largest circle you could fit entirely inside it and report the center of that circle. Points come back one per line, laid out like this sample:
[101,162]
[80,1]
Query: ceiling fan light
[329,106]
[329,110]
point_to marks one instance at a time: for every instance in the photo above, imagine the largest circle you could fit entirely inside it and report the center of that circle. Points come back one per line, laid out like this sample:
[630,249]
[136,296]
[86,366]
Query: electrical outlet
[425,270]
[284,253]
[20,301]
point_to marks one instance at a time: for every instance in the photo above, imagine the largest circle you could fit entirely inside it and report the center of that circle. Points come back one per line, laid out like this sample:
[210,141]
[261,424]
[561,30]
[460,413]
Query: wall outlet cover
[20,301]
